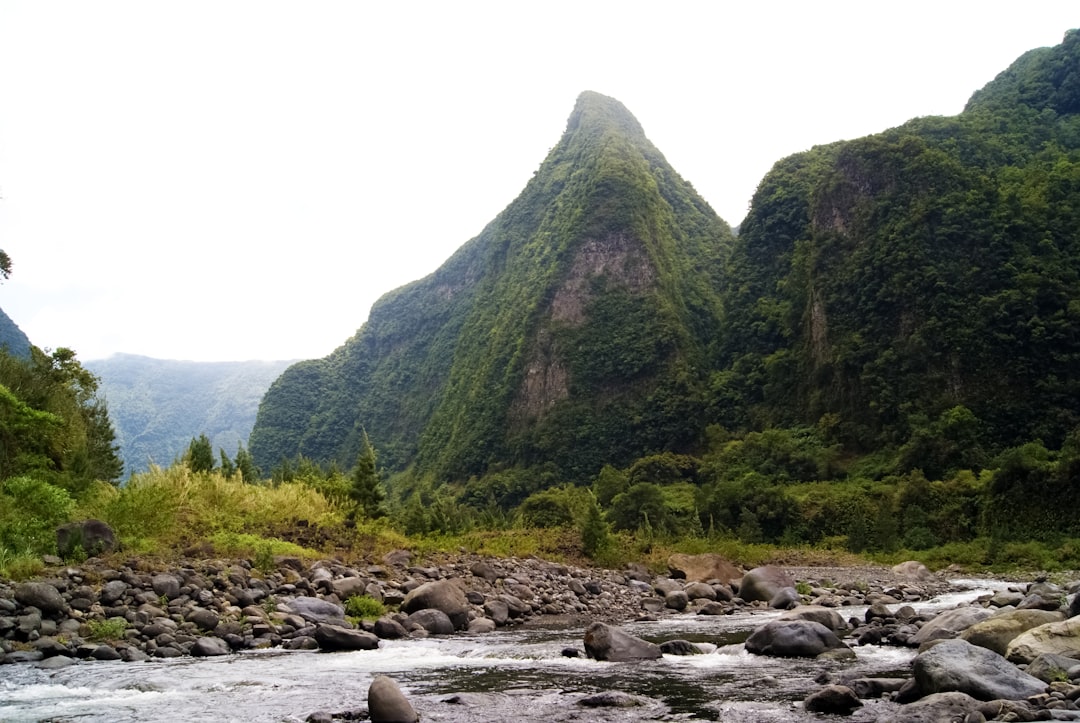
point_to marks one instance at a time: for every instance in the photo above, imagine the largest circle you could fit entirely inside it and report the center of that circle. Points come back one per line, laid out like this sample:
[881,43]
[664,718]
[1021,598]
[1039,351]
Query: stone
[763,583]
[792,639]
[206,619]
[389,629]
[166,585]
[959,666]
[93,537]
[498,611]
[112,591]
[914,570]
[610,699]
[315,610]
[785,599]
[995,633]
[607,642]
[816,613]
[703,568]
[434,621]
[1049,667]
[680,647]
[443,595]
[41,595]
[481,625]
[700,591]
[56,662]
[346,587]
[387,704]
[949,624]
[934,708]
[1060,638]
[209,646]
[676,600]
[335,637]
[832,699]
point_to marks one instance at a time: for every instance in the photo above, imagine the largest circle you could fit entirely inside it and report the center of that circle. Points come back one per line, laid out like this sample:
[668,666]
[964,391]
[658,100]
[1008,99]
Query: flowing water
[512,674]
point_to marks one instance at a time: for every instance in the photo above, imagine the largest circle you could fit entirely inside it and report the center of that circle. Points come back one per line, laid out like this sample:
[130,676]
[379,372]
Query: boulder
[1049,667]
[112,591]
[680,647]
[1060,638]
[949,624]
[914,570]
[481,625]
[763,583]
[441,595]
[387,704]
[700,591]
[346,587]
[676,600]
[209,646]
[785,599]
[959,666]
[93,537]
[41,595]
[389,629]
[434,621]
[934,709]
[315,610]
[995,633]
[204,618]
[793,639]
[834,699]
[606,642]
[166,585]
[702,568]
[610,699]
[816,613]
[335,637]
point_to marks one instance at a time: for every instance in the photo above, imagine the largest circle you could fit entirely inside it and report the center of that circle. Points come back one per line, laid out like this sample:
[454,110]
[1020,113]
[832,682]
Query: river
[515,674]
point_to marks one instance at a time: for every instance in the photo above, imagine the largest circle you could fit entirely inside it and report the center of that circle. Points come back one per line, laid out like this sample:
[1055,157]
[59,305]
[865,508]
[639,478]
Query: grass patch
[102,630]
[19,565]
[364,607]
[260,550]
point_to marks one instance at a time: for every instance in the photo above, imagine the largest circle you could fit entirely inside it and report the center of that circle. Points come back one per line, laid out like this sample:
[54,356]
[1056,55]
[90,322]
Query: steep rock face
[12,338]
[882,282]
[571,331]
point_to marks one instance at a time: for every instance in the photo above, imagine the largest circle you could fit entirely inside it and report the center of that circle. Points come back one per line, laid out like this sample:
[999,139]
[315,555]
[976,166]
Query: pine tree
[245,464]
[366,490]
[200,455]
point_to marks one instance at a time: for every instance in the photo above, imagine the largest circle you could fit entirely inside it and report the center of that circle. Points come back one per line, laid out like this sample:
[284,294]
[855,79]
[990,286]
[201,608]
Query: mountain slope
[885,281]
[158,405]
[12,337]
[572,331]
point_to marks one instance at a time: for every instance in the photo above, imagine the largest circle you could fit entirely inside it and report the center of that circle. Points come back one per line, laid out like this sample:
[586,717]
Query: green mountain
[12,337]
[919,284]
[575,330]
[158,406]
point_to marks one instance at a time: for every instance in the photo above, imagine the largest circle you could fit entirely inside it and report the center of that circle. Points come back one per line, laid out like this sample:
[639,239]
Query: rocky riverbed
[116,609]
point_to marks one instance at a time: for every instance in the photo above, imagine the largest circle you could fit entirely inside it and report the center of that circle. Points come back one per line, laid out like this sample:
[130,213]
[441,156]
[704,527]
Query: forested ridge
[897,317]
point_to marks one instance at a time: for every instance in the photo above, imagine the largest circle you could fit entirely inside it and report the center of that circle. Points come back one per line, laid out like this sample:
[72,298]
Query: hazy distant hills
[158,406]
[12,337]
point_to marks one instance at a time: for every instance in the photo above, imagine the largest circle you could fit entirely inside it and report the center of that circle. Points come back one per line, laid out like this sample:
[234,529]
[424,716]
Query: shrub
[111,629]
[30,511]
[364,607]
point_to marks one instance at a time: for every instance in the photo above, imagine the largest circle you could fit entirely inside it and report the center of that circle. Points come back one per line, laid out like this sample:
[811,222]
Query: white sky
[218,180]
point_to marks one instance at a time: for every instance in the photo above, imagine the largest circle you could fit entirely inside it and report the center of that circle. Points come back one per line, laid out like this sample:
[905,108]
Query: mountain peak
[594,111]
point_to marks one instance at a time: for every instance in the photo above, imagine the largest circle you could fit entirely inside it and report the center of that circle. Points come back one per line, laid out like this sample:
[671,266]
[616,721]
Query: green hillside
[12,338]
[882,282]
[573,331]
[158,406]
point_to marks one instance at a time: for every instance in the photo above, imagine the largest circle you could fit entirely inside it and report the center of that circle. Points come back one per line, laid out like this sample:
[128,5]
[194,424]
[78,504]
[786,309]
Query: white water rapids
[511,674]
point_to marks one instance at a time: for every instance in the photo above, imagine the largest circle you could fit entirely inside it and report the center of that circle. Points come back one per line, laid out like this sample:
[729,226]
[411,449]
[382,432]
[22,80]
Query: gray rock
[93,537]
[949,624]
[387,704]
[702,568]
[676,600]
[112,591]
[498,611]
[995,633]
[680,647]
[105,652]
[1061,638]
[763,583]
[793,639]
[166,585]
[606,642]
[41,595]
[346,587]
[56,662]
[205,619]
[866,688]
[833,699]
[442,595]
[784,599]
[959,666]
[209,646]
[935,708]
[335,637]
[481,625]
[434,621]
[700,591]
[914,570]
[610,699]
[1048,667]
[816,613]
[389,629]
[315,610]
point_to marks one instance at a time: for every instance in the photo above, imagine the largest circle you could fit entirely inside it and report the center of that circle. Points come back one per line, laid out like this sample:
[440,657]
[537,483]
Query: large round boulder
[702,568]
[41,595]
[442,595]
[335,637]
[1060,638]
[959,666]
[828,617]
[793,639]
[832,699]
[435,622]
[606,642]
[316,610]
[995,633]
[93,537]
[387,704]
[763,583]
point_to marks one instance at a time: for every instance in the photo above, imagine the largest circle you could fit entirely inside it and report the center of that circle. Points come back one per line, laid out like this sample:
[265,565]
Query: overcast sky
[241,180]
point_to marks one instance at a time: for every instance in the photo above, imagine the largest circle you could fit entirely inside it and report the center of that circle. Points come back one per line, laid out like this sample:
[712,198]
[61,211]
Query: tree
[245,464]
[366,490]
[200,455]
[5,265]
[228,468]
